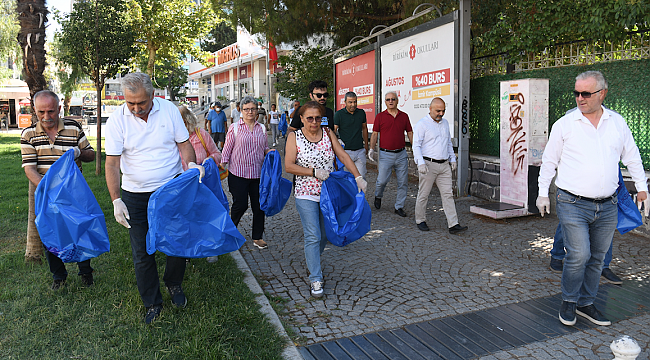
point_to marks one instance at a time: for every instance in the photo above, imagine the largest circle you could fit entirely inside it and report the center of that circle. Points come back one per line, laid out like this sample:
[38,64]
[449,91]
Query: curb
[290,351]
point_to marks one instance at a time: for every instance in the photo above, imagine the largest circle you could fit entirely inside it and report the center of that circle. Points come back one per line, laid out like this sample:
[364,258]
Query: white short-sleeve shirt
[149,155]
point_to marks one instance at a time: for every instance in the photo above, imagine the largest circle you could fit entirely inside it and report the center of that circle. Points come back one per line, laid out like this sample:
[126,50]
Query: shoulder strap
[198,134]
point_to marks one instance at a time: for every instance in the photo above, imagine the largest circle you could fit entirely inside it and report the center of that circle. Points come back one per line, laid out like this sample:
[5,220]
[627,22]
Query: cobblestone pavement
[398,275]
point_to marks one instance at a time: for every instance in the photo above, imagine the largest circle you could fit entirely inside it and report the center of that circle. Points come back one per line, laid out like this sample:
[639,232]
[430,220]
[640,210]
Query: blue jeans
[588,227]
[557,252]
[313,227]
[146,271]
[386,162]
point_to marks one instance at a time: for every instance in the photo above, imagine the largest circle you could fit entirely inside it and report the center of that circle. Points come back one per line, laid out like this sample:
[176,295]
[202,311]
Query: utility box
[523,137]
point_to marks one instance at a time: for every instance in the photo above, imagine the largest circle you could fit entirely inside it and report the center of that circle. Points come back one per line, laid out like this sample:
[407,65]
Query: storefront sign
[24,120]
[227,54]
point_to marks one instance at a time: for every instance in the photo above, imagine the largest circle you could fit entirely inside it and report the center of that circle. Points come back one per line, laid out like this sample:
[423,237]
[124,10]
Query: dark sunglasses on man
[319,95]
[585,94]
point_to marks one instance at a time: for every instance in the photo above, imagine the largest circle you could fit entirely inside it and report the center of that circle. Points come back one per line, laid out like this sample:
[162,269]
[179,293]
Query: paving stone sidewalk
[398,275]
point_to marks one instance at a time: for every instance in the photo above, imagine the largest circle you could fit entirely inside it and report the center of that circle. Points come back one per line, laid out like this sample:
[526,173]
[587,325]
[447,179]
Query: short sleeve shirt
[351,127]
[148,150]
[218,122]
[37,149]
[392,129]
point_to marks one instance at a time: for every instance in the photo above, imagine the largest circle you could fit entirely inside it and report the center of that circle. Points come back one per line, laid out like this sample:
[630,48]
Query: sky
[61,5]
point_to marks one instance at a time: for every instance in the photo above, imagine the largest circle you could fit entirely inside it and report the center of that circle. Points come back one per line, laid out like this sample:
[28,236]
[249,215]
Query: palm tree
[32,15]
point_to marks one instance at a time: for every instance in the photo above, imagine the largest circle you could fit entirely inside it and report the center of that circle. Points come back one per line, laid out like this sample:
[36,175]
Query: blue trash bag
[186,220]
[629,217]
[212,180]
[274,189]
[283,125]
[68,218]
[345,210]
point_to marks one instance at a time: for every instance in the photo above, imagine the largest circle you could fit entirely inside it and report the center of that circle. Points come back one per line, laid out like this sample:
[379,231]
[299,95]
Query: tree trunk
[99,84]
[32,15]
[66,105]
[152,61]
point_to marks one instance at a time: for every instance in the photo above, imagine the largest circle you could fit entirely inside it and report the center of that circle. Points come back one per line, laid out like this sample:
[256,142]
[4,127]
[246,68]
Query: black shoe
[556,265]
[153,312]
[592,314]
[378,203]
[400,212]
[457,228]
[423,226]
[568,313]
[611,277]
[57,284]
[87,279]
[178,297]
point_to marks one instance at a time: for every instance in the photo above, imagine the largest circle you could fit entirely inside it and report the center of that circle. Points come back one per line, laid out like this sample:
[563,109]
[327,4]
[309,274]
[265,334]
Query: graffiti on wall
[517,146]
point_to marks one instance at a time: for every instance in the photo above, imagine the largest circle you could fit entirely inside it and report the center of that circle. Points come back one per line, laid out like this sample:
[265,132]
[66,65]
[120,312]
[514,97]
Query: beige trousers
[440,174]
[34,248]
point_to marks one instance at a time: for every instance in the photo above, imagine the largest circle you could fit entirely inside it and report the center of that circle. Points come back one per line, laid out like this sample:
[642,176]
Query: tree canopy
[168,29]
[302,66]
[221,35]
[8,29]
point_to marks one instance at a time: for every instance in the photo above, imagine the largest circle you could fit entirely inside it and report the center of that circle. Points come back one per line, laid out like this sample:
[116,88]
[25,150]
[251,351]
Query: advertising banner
[357,74]
[420,68]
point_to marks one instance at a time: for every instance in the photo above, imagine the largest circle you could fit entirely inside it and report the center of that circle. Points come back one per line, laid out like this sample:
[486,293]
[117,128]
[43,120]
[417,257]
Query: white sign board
[420,68]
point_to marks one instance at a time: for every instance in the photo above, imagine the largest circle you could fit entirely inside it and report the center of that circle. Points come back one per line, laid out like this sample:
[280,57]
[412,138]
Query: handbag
[223,172]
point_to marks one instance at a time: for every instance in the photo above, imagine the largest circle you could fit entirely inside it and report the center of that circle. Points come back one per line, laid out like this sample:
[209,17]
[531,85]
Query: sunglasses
[585,94]
[312,119]
[249,109]
[319,95]
[391,99]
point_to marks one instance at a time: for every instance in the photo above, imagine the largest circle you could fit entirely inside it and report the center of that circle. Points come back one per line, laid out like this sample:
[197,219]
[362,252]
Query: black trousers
[241,190]
[146,272]
[57,267]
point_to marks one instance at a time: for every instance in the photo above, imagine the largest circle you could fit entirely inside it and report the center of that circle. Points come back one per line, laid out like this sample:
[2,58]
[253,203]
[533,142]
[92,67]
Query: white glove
[77,152]
[205,161]
[646,207]
[454,165]
[341,142]
[361,184]
[192,165]
[422,169]
[543,205]
[321,174]
[371,155]
[121,213]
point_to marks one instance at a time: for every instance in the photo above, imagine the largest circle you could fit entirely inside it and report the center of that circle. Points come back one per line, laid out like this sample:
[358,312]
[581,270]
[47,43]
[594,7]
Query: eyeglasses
[319,95]
[249,109]
[391,99]
[585,94]
[312,119]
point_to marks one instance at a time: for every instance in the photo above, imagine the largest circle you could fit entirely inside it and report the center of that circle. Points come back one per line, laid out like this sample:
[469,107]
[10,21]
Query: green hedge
[629,95]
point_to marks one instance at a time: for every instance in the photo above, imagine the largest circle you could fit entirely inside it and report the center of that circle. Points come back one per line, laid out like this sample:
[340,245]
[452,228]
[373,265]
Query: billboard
[357,74]
[420,68]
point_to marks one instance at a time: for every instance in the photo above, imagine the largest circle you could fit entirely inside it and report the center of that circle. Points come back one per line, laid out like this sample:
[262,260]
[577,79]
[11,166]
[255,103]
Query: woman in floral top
[310,156]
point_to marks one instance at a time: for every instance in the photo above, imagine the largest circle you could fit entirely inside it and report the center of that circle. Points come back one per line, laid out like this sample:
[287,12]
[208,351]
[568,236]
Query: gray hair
[247,100]
[391,92]
[350,94]
[596,75]
[134,82]
[190,120]
[49,93]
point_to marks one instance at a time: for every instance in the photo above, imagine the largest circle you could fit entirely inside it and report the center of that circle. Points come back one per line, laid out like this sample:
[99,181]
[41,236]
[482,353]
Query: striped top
[37,148]
[245,151]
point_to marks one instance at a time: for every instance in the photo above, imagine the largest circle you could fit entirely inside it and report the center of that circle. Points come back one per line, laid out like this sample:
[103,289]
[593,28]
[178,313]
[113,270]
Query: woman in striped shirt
[244,151]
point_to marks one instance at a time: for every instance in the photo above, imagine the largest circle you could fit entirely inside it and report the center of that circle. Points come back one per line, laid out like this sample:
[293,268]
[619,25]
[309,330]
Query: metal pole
[463,96]
[237,74]
[268,76]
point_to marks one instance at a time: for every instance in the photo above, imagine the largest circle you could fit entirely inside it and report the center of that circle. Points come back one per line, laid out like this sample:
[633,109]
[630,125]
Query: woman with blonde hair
[200,139]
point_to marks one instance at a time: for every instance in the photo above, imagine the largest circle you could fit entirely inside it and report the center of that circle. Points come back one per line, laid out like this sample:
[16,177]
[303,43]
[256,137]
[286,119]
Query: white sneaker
[273,144]
[317,289]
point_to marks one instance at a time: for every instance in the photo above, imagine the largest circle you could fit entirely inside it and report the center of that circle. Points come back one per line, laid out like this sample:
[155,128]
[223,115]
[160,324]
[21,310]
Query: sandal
[260,244]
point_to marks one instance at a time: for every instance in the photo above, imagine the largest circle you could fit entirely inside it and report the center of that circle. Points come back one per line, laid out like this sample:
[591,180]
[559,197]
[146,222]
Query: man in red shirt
[390,125]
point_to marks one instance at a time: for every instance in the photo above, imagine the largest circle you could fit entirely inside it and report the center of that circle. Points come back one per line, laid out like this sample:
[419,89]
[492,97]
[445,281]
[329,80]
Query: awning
[13,89]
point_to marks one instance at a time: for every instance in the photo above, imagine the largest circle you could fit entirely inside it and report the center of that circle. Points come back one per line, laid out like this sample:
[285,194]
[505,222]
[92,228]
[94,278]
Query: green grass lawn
[105,321]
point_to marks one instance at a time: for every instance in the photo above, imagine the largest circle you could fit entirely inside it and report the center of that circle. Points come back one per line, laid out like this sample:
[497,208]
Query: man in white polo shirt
[143,139]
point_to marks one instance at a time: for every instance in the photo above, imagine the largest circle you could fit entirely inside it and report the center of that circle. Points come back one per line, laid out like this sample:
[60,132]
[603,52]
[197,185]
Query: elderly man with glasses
[390,126]
[585,147]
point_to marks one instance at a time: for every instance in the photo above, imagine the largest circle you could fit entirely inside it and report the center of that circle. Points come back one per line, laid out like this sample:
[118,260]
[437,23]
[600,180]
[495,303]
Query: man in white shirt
[585,147]
[433,153]
[143,139]
[235,114]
